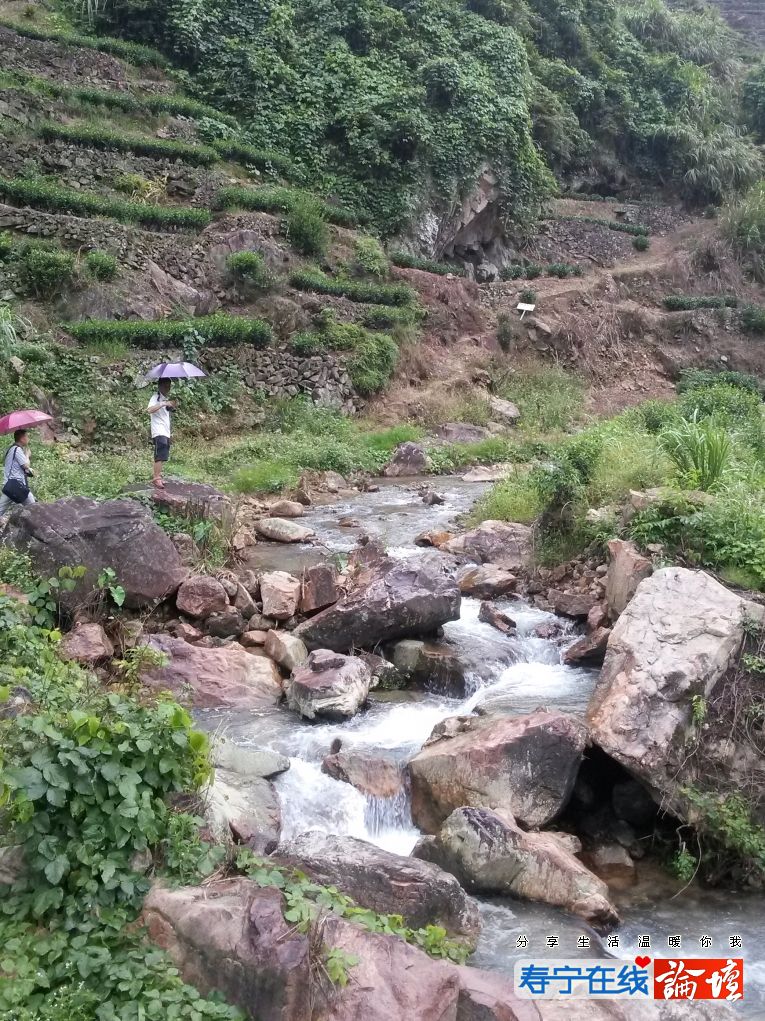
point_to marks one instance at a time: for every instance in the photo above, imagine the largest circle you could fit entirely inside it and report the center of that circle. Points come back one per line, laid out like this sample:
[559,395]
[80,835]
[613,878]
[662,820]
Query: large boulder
[387,883]
[490,853]
[283,530]
[285,649]
[408,459]
[393,599]
[494,542]
[116,534]
[245,809]
[232,936]
[86,643]
[280,593]
[626,569]
[224,677]
[675,640]
[373,775]
[522,765]
[486,581]
[200,596]
[319,588]
[329,684]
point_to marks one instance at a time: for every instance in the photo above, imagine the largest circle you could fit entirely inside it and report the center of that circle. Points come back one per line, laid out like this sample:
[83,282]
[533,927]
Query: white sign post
[523,308]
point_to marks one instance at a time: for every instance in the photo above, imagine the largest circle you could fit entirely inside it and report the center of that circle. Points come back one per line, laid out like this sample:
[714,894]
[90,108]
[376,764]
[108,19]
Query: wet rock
[494,542]
[329,684]
[394,599]
[286,509]
[571,604]
[589,649]
[505,411]
[430,665]
[285,649]
[524,765]
[280,595]
[489,853]
[232,936]
[247,761]
[489,614]
[677,637]
[253,639]
[224,677]
[486,582]
[548,630]
[245,809]
[434,538]
[120,534]
[626,569]
[86,643]
[319,588]
[387,883]
[229,623]
[432,499]
[597,617]
[408,459]
[612,864]
[283,530]
[373,775]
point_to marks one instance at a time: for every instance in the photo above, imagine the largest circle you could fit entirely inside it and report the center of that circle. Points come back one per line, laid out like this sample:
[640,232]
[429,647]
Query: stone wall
[280,373]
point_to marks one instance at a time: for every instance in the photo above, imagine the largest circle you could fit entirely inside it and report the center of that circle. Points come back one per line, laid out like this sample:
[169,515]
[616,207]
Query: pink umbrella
[22,420]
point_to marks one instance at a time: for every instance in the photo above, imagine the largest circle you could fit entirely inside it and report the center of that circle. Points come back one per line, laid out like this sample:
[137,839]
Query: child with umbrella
[17,462]
[159,408]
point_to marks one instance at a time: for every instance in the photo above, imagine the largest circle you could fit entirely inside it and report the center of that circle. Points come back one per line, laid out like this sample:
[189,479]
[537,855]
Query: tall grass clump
[369,257]
[249,269]
[408,261]
[548,397]
[274,199]
[701,452]
[307,227]
[44,271]
[744,224]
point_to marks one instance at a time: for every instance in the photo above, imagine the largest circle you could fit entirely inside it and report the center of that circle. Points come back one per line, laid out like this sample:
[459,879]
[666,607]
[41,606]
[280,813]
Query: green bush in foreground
[219,330]
[117,141]
[53,198]
[355,290]
[641,243]
[369,257]
[101,265]
[688,302]
[135,53]
[409,261]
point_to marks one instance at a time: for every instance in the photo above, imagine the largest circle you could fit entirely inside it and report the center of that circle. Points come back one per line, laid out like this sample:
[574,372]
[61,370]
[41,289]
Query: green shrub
[507,331]
[306,226]
[641,243]
[409,261]
[118,141]
[563,270]
[271,199]
[731,407]
[368,257]
[45,272]
[135,53]
[263,159]
[654,415]
[744,224]
[532,271]
[528,297]
[695,379]
[55,199]
[355,290]
[701,451]
[387,317]
[249,268]
[7,242]
[688,302]
[218,330]
[753,318]
[548,397]
[511,272]
[101,265]
[515,499]
[373,356]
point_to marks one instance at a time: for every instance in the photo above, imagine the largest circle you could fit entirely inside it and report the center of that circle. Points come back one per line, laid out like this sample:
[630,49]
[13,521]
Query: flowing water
[513,674]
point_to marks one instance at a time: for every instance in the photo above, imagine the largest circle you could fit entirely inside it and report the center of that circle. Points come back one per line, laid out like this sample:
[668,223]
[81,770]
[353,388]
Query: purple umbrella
[175,370]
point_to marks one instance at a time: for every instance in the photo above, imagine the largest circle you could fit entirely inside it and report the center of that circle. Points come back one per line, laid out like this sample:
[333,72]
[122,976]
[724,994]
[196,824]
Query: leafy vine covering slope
[396,105]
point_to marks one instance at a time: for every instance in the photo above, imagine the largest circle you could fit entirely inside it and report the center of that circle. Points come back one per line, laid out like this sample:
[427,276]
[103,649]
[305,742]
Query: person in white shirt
[17,470]
[159,409]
